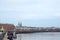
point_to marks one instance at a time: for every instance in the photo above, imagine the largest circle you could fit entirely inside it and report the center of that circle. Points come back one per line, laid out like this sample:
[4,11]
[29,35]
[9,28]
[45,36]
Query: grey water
[39,36]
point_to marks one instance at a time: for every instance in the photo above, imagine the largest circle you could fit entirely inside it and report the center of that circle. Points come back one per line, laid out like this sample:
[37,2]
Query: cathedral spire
[20,24]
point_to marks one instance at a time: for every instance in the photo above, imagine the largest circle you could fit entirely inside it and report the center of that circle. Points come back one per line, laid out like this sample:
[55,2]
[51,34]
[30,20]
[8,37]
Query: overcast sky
[42,13]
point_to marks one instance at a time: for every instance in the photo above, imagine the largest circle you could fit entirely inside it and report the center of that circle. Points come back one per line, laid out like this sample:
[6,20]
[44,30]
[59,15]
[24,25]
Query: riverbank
[36,29]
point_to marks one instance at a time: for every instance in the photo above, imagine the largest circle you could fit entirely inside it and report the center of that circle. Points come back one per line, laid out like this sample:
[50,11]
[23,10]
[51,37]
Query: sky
[36,13]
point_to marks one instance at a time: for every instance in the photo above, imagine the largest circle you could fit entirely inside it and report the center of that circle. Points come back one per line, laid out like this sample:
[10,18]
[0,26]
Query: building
[7,26]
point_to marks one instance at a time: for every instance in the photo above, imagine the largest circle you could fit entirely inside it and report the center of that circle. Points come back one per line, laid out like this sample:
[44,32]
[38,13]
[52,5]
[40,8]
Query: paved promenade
[5,37]
[0,32]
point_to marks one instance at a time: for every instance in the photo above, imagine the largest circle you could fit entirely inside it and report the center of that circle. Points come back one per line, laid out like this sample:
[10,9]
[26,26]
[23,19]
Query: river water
[39,36]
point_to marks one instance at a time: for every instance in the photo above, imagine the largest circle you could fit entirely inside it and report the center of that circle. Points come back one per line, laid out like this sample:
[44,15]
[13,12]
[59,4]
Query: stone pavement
[5,37]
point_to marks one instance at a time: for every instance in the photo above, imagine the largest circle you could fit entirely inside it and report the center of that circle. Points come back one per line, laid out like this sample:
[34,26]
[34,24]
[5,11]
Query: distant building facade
[7,26]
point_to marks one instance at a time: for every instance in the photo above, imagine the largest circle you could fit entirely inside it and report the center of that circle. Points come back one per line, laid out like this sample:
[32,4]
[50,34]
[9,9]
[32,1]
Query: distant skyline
[41,13]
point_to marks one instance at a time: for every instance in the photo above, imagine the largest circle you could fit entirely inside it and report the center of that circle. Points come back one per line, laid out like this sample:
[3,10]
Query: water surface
[39,36]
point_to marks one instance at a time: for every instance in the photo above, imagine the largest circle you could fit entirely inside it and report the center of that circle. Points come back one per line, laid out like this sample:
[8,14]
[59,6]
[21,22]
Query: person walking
[10,35]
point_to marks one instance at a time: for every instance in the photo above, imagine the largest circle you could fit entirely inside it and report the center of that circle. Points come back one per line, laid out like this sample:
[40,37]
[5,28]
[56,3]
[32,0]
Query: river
[39,36]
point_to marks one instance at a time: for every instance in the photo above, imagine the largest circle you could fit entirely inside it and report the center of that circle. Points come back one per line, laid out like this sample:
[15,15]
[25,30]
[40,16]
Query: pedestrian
[10,35]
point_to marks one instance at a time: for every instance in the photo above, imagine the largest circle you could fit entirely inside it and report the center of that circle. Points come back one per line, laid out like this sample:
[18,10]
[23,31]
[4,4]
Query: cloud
[37,11]
[30,9]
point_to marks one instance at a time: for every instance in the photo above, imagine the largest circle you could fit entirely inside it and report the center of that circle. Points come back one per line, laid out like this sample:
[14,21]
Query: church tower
[20,24]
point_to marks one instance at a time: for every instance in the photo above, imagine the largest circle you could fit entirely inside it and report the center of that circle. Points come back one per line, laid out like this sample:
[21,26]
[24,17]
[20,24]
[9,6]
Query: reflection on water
[39,36]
